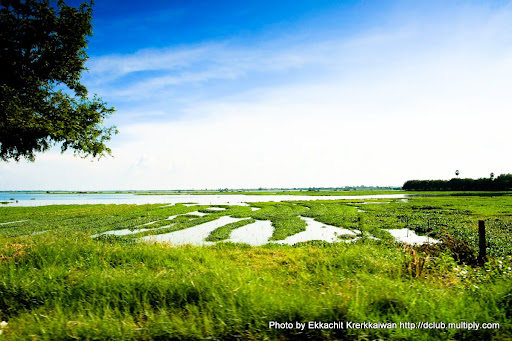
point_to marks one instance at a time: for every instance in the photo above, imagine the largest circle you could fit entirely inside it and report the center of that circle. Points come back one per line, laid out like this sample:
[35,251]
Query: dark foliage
[42,102]
[501,183]
[459,249]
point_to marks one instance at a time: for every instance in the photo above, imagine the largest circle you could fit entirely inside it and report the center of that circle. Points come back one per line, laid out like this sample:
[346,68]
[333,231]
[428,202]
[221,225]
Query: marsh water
[410,237]
[42,199]
[194,235]
[257,233]
[260,232]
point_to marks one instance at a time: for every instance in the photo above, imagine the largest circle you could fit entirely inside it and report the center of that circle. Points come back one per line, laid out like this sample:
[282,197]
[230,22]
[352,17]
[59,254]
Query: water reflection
[318,231]
[257,233]
[193,235]
[410,237]
[41,199]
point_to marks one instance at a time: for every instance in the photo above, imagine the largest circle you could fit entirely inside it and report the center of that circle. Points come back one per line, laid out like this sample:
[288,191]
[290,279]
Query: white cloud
[115,66]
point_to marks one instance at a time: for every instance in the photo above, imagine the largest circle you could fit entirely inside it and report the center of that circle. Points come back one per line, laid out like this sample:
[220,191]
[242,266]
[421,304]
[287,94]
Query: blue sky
[157,24]
[292,94]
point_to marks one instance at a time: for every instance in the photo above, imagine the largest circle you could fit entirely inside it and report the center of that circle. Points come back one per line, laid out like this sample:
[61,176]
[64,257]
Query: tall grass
[73,287]
[62,284]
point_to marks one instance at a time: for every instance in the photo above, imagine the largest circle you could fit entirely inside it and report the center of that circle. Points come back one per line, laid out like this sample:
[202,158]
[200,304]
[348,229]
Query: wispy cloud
[190,64]
[115,66]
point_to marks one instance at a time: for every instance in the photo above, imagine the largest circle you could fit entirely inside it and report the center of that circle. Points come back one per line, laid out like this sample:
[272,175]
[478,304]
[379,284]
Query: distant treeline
[501,183]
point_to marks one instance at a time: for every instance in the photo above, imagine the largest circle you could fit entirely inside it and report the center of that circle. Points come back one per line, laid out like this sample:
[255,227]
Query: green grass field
[58,283]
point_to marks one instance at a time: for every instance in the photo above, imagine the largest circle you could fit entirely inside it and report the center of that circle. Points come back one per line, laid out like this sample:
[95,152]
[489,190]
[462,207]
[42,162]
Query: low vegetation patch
[223,232]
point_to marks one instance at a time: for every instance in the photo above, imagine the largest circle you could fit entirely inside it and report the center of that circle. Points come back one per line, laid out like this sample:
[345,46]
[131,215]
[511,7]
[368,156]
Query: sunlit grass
[63,284]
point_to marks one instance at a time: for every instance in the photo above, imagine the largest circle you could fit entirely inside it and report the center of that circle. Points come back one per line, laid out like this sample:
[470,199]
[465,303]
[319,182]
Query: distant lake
[42,199]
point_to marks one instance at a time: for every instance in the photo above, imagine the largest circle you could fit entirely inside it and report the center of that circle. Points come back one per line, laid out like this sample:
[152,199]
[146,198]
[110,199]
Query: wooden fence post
[482,243]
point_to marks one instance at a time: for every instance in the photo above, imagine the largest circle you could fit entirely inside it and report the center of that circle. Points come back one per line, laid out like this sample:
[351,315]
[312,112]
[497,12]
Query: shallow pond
[122,232]
[42,199]
[195,235]
[257,233]
[318,231]
[197,213]
[410,237]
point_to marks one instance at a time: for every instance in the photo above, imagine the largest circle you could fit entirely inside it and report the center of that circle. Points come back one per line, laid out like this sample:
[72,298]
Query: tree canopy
[501,183]
[42,102]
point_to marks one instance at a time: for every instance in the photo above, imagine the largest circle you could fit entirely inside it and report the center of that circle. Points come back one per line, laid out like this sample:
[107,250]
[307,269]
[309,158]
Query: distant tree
[42,102]
[502,183]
